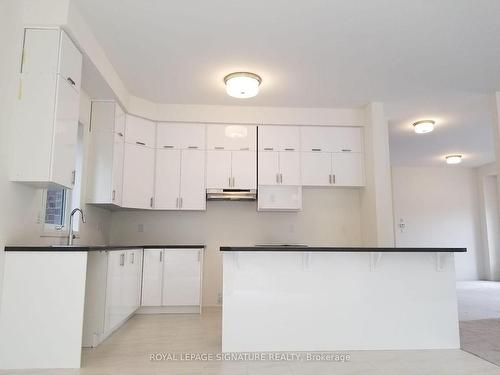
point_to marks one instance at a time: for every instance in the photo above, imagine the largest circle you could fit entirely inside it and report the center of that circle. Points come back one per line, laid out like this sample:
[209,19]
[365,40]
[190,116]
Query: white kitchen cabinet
[279,168]
[346,139]
[180,136]
[279,198]
[316,168]
[244,170]
[172,277]
[105,163]
[152,277]
[348,169]
[181,277]
[138,176]
[316,139]
[140,131]
[218,169]
[47,110]
[278,138]
[231,137]
[113,292]
[180,179]
[269,167]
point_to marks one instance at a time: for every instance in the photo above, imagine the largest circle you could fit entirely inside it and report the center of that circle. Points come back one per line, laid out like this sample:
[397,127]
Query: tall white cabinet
[180,167]
[46,119]
[113,292]
[107,146]
[139,163]
[231,157]
[172,279]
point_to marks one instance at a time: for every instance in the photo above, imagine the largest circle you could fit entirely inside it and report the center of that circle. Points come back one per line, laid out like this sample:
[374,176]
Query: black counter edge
[99,247]
[348,249]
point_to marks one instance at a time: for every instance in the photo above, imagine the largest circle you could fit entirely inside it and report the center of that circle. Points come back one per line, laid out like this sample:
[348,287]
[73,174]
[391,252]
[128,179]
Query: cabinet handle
[73,177]
[315,149]
[193,147]
[233,181]
[140,143]
[151,201]
[244,148]
[219,147]
[180,201]
[122,260]
[289,149]
[333,177]
[277,178]
[229,183]
[268,148]
[113,195]
[346,150]
[281,178]
[161,256]
[132,260]
[71,82]
[330,179]
[168,146]
[177,202]
[120,134]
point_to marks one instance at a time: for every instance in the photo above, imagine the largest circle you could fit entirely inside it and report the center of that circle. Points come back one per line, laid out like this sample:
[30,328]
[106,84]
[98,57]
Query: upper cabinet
[46,119]
[180,136]
[139,163]
[105,168]
[231,137]
[331,139]
[279,138]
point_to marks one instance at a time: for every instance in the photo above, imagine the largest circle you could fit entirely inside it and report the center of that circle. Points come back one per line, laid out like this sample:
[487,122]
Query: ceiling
[423,58]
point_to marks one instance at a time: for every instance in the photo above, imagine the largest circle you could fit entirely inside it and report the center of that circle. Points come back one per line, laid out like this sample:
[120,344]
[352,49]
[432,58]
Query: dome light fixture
[242,84]
[453,159]
[424,126]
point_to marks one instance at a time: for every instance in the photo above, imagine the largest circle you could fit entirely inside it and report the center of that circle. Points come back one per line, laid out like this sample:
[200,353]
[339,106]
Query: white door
[348,169]
[65,134]
[181,277]
[192,191]
[114,300]
[244,169]
[218,169]
[117,168]
[316,168]
[168,179]
[152,277]
[268,167]
[138,176]
[290,168]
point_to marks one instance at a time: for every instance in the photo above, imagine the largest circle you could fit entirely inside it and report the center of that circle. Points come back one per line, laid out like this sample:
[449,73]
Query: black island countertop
[98,247]
[290,248]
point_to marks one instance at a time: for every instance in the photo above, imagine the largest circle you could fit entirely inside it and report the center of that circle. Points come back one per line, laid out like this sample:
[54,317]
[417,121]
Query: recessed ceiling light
[242,84]
[453,159]
[424,126]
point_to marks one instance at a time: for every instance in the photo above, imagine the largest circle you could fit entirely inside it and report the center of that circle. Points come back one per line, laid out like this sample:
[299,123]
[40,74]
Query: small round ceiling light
[453,159]
[424,126]
[242,84]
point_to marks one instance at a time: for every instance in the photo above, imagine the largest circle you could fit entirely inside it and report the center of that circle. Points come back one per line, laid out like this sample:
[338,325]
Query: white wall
[330,216]
[440,207]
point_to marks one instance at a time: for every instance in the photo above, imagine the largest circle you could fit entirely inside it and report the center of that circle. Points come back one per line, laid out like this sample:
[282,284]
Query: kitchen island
[296,298]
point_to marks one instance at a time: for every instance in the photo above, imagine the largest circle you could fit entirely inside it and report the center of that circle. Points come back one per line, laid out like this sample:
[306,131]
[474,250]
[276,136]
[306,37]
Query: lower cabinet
[113,292]
[172,277]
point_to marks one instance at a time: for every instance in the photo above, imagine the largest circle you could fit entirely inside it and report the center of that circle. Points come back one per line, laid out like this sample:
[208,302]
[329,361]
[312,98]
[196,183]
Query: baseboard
[169,310]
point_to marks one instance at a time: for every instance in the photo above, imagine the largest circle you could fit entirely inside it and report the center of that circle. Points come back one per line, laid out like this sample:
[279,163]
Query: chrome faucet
[71,235]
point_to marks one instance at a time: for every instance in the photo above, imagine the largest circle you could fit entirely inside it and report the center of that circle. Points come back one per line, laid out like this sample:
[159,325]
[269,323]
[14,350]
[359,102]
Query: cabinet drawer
[180,136]
[139,131]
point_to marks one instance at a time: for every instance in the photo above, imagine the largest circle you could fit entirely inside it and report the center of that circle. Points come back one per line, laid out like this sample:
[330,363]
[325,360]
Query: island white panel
[41,315]
[299,301]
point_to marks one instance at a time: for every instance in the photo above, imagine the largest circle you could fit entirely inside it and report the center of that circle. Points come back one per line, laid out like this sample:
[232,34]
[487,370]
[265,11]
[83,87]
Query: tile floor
[127,352]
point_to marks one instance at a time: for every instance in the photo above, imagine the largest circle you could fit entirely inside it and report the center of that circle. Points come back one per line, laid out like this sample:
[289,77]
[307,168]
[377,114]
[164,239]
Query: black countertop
[97,248]
[346,249]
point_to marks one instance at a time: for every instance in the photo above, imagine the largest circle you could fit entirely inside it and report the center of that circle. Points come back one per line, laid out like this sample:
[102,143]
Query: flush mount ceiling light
[453,159]
[242,84]
[424,126]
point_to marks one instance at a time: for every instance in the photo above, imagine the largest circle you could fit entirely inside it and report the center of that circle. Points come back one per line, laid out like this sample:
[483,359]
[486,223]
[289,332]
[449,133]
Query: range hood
[231,195]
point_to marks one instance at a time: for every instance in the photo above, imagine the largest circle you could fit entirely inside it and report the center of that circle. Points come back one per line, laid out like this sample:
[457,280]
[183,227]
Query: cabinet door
[244,169]
[114,301]
[181,277]
[192,191]
[316,168]
[218,169]
[268,167]
[40,51]
[180,136]
[316,138]
[70,62]
[140,131]
[167,181]
[152,277]
[117,169]
[138,176]
[133,284]
[348,169]
[347,139]
[65,134]
[290,168]
[279,138]
[231,137]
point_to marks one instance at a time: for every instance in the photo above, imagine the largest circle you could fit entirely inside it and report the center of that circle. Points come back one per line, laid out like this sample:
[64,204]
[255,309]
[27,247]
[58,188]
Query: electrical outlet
[140,228]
